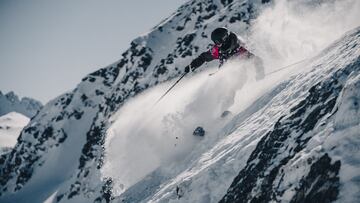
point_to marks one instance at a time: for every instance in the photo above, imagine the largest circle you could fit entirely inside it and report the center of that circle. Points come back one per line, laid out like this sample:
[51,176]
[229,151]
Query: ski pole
[285,67]
[170,88]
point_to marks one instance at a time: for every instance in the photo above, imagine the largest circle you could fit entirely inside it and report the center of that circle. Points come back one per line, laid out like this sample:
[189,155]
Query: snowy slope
[290,144]
[11,125]
[10,102]
[103,141]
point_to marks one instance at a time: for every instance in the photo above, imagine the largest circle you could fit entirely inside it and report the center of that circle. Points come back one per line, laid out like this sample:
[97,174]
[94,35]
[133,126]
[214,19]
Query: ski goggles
[218,43]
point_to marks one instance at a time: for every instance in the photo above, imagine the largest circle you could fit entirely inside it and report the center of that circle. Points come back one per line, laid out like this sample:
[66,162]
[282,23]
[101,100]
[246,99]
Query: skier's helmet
[219,35]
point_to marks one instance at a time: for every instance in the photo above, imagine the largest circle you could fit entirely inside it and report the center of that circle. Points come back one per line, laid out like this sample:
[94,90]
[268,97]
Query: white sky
[48,46]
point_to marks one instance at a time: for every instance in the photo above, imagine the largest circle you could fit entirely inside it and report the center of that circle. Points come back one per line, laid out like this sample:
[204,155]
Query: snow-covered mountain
[10,102]
[11,125]
[292,137]
[15,114]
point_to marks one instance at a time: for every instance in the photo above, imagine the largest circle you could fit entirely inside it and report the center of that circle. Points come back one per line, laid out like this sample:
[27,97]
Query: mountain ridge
[10,102]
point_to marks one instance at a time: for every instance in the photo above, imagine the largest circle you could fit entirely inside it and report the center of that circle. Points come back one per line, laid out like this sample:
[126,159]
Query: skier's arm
[201,59]
[204,57]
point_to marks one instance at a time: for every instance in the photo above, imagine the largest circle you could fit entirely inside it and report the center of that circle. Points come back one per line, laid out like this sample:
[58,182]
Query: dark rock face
[274,150]
[321,184]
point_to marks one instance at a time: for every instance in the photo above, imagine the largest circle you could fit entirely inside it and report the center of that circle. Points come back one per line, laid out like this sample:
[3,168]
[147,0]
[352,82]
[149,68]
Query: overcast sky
[48,46]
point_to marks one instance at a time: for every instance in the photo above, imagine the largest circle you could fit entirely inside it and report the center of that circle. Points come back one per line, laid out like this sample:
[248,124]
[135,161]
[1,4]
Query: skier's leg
[235,81]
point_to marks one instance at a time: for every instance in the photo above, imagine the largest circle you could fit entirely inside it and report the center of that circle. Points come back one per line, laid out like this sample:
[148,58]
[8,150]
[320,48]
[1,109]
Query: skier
[226,45]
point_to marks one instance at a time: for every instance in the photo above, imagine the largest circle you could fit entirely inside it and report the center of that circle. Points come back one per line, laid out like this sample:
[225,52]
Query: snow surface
[11,125]
[144,137]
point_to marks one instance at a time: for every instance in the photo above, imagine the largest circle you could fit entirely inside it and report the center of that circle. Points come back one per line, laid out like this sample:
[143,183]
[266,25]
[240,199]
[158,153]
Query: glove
[188,68]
